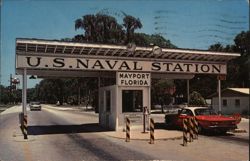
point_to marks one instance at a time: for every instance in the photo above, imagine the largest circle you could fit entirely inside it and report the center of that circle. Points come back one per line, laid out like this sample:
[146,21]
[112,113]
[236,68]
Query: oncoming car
[207,119]
[35,106]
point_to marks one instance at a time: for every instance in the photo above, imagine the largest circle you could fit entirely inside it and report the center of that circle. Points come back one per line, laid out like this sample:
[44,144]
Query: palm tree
[131,24]
[99,28]
[105,23]
[88,23]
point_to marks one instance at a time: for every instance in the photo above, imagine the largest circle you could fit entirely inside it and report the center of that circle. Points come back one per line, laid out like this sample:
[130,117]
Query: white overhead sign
[102,64]
[133,79]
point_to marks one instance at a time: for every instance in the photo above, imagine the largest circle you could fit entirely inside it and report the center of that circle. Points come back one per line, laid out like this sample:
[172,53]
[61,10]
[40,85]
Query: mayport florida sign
[109,64]
[133,79]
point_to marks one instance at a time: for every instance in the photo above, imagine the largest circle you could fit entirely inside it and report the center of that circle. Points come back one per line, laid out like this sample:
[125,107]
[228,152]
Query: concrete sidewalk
[135,133]
[159,134]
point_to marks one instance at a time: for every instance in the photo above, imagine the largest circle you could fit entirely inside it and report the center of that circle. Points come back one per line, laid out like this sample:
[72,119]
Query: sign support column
[24,92]
[220,77]
[219,94]
[188,91]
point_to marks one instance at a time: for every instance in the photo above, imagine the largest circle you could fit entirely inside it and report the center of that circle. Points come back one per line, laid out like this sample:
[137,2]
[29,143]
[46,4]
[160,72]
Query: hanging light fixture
[156,50]
[131,47]
[32,77]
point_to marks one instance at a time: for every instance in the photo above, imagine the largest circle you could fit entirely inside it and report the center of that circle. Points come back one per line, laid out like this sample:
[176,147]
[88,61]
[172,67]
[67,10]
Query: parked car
[207,119]
[35,106]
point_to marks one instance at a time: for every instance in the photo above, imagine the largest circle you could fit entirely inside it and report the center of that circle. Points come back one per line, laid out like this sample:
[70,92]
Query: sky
[193,24]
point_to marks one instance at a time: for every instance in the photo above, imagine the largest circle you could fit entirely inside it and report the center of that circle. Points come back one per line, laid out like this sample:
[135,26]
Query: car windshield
[35,103]
[204,111]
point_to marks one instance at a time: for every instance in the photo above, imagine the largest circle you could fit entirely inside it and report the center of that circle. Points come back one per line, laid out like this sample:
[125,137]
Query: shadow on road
[162,125]
[64,129]
[211,133]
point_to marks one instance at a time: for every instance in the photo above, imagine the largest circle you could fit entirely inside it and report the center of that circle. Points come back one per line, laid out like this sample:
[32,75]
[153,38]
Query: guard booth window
[131,100]
[108,100]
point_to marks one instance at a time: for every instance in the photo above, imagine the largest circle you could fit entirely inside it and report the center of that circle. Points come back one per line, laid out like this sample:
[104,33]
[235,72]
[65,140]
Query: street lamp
[179,98]
[15,81]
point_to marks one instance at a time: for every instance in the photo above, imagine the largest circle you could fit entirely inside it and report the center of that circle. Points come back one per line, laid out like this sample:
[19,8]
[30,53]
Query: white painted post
[219,93]
[188,97]
[24,91]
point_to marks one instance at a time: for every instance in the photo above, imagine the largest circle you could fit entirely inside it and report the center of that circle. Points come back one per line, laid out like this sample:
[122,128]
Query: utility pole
[10,89]
[13,87]
[10,80]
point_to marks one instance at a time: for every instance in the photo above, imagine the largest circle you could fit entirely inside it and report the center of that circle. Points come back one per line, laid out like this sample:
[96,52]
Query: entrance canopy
[47,58]
[133,67]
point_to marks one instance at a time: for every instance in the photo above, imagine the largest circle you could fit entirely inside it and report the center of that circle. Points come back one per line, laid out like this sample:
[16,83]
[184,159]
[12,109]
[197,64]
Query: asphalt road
[63,135]
[54,135]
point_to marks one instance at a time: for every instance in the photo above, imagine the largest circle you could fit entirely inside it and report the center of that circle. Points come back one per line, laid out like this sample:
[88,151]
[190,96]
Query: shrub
[196,99]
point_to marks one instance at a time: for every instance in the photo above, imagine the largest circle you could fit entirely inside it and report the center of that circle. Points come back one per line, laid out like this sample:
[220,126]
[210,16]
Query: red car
[207,119]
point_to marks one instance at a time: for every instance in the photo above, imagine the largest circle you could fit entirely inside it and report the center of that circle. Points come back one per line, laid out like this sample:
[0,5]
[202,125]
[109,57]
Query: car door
[185,113]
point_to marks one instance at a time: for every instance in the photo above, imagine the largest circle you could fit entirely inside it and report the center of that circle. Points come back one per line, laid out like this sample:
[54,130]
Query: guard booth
[125,99]
[132,68]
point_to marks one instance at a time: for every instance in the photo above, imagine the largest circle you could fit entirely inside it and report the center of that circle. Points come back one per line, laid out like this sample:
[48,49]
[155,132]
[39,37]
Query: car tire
[200,129]
[222,132]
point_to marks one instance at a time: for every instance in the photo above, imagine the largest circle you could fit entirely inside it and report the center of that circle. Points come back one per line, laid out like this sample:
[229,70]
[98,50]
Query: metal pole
[185,131]
[24,91]
[10,89]
[188,97]
[219,93]
[196,132]
[152,127]
[144,119]
[190,129]
[127,130]
[11,81]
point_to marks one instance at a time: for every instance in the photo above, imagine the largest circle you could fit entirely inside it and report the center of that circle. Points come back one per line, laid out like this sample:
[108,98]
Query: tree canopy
[196,99]
[239,68]
[101,28]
